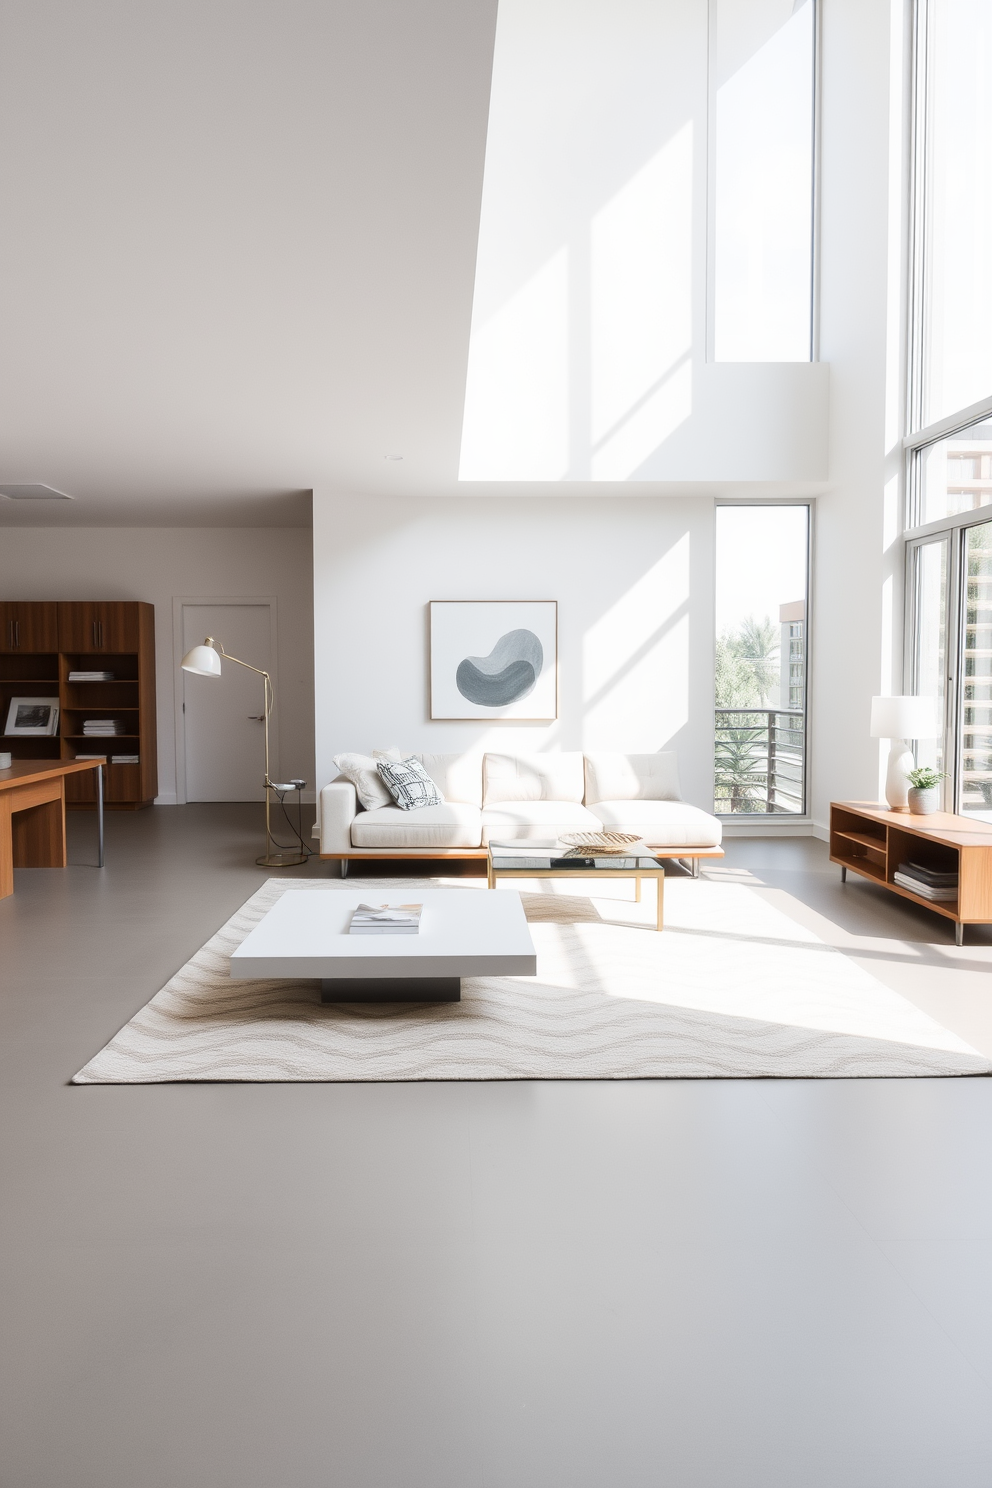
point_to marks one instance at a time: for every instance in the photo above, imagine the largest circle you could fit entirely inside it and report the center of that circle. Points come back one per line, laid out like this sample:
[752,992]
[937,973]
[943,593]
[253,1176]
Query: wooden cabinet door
[109,626]
[31,626]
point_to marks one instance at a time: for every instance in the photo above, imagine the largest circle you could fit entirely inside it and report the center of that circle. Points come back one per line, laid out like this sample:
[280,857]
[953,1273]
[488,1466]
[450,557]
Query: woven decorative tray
[603,843]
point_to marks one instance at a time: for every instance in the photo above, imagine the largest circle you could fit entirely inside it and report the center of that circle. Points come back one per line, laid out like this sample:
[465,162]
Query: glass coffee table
[558,860]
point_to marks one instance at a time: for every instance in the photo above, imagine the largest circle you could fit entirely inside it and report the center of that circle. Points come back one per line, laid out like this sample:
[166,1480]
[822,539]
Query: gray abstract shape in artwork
[506,675]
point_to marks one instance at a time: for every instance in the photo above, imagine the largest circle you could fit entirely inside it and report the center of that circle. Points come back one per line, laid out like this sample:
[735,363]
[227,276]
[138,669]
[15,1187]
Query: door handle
[256,717]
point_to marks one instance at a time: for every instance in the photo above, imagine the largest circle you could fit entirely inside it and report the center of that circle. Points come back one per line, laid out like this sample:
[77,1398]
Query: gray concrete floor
[561,1285]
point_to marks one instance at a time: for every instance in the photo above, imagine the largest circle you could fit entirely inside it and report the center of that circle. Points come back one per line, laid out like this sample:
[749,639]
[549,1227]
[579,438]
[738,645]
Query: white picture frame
[36,717]
[495,659]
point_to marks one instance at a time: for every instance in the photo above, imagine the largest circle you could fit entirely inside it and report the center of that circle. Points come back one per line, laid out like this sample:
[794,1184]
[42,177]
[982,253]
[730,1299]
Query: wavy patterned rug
[733,988]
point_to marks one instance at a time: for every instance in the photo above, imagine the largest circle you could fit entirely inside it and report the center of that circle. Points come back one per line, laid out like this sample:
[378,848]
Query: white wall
[857,611]
[634,583]
[588,350]
[156,564]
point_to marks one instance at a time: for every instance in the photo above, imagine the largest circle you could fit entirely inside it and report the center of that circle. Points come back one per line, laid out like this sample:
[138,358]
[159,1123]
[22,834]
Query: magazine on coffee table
[385,919]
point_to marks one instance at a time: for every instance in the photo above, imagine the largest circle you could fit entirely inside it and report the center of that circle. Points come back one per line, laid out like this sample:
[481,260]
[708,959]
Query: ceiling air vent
[33,493]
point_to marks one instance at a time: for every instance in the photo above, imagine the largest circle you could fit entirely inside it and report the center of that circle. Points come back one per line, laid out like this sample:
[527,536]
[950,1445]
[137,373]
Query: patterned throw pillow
[409,784]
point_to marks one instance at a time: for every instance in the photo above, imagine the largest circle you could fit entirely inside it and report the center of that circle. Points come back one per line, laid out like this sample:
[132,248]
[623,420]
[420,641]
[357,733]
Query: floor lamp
[204,661]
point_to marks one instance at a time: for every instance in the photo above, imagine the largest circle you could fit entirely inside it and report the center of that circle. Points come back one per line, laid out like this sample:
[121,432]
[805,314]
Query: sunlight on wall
[641,310]
[516,401]
[647,426]
[635,661]
[764,165]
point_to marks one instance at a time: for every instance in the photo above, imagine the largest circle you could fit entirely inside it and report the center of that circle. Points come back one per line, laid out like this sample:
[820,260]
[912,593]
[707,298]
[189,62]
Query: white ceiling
[237,252]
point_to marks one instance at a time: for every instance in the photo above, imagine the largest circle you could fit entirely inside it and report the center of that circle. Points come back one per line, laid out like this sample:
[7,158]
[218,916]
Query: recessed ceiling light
[33,493]
[393,457]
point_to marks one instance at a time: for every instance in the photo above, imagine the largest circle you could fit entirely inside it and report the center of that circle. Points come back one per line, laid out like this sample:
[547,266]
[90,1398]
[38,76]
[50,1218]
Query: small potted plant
[924,796]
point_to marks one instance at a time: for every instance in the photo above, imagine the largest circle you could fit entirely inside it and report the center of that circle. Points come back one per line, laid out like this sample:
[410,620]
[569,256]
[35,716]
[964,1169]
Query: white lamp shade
[203,661]
[904,718]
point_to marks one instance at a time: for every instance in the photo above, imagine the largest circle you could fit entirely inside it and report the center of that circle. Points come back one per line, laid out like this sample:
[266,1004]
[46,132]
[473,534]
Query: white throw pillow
[363,772]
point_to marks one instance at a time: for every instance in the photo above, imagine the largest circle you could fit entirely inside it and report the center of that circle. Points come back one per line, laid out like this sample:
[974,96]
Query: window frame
[765,818]
[709,339]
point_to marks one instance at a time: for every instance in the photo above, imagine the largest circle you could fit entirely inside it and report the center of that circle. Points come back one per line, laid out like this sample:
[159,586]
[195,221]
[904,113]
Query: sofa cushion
[457,776]
[453,824]
[533,777]
[514,821]
[662,823]
[632,777]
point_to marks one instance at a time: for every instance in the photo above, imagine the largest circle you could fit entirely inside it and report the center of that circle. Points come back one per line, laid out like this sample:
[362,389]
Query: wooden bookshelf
[868,839]
[41,642]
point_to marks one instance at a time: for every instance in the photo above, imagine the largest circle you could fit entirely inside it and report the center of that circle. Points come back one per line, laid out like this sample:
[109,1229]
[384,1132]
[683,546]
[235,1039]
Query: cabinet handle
[17,633]
[100,625]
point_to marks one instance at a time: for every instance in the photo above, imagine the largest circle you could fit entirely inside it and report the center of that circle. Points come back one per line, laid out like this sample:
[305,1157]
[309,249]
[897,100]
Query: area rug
[733,988]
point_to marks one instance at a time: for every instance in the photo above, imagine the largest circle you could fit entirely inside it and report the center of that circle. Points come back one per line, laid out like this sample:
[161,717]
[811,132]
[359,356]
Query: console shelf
[870,840]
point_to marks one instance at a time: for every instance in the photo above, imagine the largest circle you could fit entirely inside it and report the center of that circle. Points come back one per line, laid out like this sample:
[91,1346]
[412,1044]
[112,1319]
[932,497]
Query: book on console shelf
[938,886]
[386,919]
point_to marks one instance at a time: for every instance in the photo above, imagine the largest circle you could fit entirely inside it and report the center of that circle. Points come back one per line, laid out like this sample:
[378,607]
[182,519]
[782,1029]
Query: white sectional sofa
[506,797]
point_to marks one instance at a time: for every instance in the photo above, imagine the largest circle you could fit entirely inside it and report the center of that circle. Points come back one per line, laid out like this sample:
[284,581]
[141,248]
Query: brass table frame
[658,874]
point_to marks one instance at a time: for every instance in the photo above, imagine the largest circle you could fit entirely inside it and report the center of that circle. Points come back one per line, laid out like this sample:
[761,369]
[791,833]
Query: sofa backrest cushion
[457,776]
[532,777]
[632,777]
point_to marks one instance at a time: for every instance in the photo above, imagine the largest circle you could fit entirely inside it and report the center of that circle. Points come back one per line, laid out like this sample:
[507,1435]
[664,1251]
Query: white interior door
[222,716]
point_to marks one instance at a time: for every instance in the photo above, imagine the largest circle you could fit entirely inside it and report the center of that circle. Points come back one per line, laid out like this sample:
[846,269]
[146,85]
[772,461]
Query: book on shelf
[91,676]
[942,895]
[89,756]
[385,919]
[122,759]
[102,726]
[939,877]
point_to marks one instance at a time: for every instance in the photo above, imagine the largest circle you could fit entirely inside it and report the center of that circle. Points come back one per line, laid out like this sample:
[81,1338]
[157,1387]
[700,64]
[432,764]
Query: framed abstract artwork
[494,658]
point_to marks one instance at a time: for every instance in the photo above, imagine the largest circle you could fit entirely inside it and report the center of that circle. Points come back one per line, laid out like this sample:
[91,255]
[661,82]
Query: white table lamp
[204,661]
[901,719]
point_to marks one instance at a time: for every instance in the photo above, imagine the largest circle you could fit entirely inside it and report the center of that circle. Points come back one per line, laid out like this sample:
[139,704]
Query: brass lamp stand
[204,661]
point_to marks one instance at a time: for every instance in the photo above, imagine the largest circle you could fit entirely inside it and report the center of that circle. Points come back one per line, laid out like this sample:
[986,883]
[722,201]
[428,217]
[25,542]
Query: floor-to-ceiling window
[762,641]
[949,446]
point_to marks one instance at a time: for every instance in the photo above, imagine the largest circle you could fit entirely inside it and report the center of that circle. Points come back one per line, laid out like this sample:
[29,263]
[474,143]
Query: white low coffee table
[463,932]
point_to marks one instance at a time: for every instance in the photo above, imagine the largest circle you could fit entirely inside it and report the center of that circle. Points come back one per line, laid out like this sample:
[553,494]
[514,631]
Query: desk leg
[99,816]
[6,847]
[959,935]
[661,900]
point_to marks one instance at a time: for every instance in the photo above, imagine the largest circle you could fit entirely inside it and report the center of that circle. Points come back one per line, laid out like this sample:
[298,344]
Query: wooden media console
[873,841]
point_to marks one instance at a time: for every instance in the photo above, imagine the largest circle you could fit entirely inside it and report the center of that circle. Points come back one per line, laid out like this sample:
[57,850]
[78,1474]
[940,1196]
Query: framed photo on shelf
[38,716]
[494,659]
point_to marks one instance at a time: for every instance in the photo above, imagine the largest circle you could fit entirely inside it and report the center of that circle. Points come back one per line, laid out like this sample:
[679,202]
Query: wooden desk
[32,815]
[873,841]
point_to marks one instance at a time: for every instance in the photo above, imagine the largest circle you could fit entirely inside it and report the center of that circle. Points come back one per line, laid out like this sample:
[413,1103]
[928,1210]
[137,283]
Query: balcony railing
[760,762]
